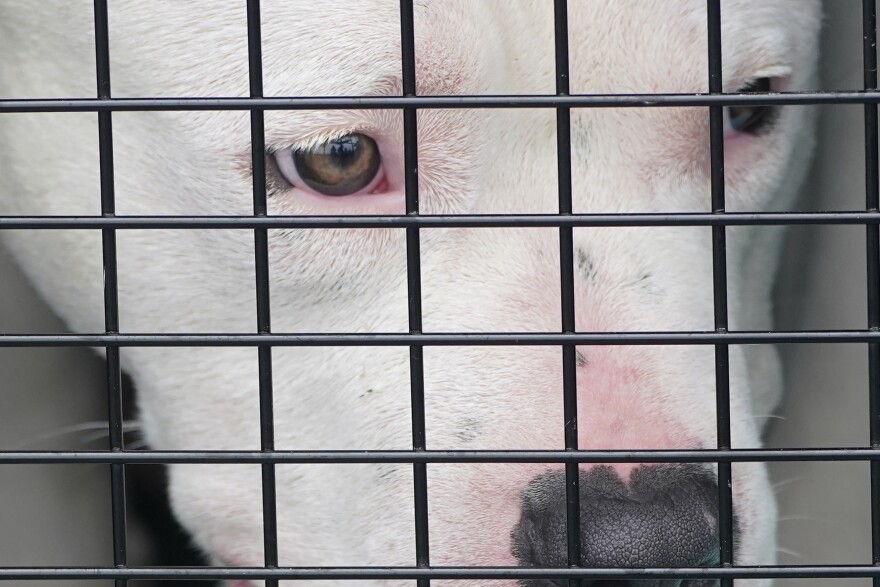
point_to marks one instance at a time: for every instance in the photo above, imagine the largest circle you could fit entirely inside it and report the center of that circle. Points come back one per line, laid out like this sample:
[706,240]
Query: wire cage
[566,338]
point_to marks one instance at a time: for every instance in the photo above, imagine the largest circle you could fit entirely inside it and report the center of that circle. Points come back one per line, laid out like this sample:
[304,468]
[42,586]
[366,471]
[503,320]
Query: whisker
[782,484]
[790,552]
[800,519]
[136,445]
[769,417]
[98,426]
[127,428]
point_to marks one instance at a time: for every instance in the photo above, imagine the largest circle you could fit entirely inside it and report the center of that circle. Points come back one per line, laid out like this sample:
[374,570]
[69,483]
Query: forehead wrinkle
[318,48]
[609,43]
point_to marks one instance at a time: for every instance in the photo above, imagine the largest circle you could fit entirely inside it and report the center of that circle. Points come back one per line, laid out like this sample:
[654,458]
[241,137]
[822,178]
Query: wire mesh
[117,457]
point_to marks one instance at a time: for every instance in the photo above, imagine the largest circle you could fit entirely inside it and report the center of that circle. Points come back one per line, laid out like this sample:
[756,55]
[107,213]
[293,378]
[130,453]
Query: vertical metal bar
[111,287]
[566,272]
[719,281]
[872,205]
[414,285]
[261,260]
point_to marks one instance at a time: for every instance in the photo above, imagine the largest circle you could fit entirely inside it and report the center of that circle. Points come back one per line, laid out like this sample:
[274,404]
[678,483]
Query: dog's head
[474,280]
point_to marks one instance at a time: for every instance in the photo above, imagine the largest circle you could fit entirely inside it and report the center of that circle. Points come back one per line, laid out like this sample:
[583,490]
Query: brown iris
[341,166]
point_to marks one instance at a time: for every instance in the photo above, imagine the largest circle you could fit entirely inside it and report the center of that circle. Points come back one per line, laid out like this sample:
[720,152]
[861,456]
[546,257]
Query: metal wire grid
[719,287]
[117,457]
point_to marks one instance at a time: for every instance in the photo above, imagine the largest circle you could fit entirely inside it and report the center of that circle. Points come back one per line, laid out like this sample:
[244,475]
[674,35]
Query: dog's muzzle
[666,516]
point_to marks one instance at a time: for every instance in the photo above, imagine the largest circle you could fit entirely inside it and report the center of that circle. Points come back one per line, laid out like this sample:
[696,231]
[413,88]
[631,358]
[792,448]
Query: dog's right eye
[752,119]
[344,166]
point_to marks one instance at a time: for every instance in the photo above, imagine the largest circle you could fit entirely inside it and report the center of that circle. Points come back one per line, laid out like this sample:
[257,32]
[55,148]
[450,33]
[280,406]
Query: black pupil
[340,166]
[343,152]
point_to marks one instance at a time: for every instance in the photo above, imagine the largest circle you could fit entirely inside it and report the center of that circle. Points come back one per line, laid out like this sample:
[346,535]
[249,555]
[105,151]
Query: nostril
[665,516]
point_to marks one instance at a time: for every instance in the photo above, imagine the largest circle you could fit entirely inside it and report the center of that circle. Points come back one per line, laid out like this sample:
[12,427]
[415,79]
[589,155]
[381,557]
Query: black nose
[666,516]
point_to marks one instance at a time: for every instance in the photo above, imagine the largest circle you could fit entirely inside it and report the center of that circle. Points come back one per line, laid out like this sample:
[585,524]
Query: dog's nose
[666,516]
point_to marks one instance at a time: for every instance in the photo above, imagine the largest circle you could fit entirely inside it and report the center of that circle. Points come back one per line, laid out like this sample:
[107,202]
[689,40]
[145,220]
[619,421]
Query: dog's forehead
[647,46]
[314,48]
[495,46]
[462,46]
[352,47]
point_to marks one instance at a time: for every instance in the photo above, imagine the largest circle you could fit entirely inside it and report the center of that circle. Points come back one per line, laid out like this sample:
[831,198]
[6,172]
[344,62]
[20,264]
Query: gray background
[58,515]
[825,507]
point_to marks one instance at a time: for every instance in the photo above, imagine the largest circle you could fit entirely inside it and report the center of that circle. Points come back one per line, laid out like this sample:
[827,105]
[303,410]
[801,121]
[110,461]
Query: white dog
[474,280]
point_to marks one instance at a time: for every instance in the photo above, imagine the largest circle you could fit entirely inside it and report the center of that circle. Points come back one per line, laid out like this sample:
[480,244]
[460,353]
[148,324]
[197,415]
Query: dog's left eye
[344,166]
[752,119]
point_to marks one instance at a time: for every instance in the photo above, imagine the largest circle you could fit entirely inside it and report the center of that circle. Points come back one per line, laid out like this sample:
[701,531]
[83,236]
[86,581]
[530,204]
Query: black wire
[428,102]
[719,282]
[439,456]
[444,339]
[414,286]
[872,205]
[261,262]
[111,289]
[567,301]
[440,221]
[416,573]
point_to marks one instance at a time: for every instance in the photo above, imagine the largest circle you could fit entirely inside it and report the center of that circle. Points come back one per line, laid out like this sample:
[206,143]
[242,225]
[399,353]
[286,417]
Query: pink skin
[232,562]
[491,493]
[381,201]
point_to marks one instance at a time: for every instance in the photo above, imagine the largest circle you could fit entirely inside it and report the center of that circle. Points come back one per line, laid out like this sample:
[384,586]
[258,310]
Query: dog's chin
[239,583]
[232,563]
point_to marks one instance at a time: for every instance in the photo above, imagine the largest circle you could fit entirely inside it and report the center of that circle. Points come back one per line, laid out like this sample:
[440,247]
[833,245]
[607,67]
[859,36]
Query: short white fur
[625,160]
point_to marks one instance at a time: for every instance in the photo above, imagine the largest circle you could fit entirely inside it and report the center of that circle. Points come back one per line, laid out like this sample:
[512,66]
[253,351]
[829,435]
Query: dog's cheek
[220,506]
[756,515]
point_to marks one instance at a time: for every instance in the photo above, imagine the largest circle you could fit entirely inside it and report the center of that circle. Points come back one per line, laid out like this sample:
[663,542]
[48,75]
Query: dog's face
[474,280]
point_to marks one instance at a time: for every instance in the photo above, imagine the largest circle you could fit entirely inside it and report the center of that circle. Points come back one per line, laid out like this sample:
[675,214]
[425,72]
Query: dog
[341,162]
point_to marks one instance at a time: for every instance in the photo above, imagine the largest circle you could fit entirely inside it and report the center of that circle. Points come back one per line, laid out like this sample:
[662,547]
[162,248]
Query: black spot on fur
[585,266]
[645,281]
[468,430]
[386,472]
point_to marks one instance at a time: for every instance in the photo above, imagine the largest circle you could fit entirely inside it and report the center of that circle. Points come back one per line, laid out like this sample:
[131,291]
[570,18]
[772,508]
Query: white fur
[625,160]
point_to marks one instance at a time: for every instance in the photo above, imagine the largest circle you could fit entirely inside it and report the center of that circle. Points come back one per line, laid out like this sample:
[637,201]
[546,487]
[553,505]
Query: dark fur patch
[585,266]
[468,430]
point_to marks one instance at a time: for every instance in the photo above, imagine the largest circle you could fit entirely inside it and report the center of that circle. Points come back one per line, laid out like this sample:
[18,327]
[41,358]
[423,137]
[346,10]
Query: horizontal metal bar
[434,339]
[438,102]
[439,221]
[294,457]
[412,573]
